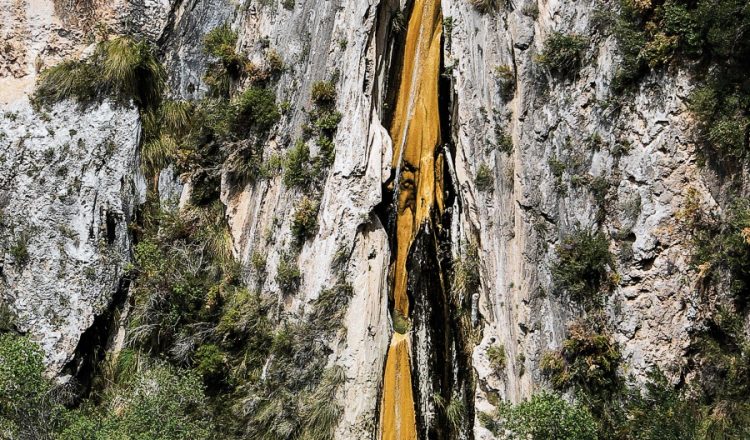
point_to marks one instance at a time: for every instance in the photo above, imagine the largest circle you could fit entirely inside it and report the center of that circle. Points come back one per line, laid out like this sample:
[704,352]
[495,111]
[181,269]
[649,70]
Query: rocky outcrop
[640,144]
[68,190]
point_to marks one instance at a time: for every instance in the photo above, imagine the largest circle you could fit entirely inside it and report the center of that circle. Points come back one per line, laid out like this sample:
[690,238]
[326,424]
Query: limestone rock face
[68,187]
[641,145]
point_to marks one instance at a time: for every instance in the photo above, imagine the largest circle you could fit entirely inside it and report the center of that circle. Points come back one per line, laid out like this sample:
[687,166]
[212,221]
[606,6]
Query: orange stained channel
[415,131]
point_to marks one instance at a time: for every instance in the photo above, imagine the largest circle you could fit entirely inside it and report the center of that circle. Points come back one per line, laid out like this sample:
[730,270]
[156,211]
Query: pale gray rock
[67,190]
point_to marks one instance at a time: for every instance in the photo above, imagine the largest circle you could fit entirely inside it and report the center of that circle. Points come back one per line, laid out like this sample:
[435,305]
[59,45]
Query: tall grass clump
[121,68]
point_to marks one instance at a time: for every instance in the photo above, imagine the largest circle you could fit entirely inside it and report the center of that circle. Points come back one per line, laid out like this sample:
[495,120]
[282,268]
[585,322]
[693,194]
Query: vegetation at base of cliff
[544,416]
[714,38]
[582,267]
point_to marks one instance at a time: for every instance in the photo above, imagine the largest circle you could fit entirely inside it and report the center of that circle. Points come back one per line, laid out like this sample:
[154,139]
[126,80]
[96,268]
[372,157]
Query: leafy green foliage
[19,250]
[466,279]
[30,406]
[297,172]
[323,93]
[183,269]
[582,265]
[662,413]
[506,80]
[484,6]
[220,43]
[562,53]
[256,107]
[300,169]
[161,403]
[544,416]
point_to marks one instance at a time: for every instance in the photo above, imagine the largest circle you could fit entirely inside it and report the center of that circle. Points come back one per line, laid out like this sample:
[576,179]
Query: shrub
[30,407]
[220,42]
[647,409]
[562,52]
[725,246]
[498,358]
[504,142]
[581,268]
[484,179]
[305,219]
[66,80]
[20,250]
[506,79]
[275,62]
[160,404]
[297,173]
[485,6]
[588,361]
[323,93]
[256,107]
[288,276]
[466,272]
[546,416]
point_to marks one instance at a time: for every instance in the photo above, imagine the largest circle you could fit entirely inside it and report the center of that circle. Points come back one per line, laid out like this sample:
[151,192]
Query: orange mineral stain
[415,131]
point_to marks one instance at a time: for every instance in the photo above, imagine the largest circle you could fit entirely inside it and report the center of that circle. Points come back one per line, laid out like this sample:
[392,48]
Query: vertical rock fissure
[421,378]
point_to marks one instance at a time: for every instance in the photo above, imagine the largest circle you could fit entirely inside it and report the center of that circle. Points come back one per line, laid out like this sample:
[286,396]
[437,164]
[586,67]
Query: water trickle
[418,198]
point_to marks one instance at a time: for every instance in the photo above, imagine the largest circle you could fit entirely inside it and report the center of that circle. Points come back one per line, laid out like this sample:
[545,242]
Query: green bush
[305,219]
[498,358]
[485,6]
[160,404]
[297,172]
[506,79]
[256,107]
[724,247]
[562,52]
[323,93]
[484,179]
[20,250]
[588,361]
[30,407]
[220,42]
[659,412]
[466,279]
[288,275]
[581,269]
[544,416]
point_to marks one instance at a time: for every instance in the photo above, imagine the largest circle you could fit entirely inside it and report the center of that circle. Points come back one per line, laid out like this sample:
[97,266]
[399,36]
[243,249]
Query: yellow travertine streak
[415,131]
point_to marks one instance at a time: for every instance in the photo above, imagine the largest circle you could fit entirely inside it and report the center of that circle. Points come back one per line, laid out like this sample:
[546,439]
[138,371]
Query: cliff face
[69,182]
